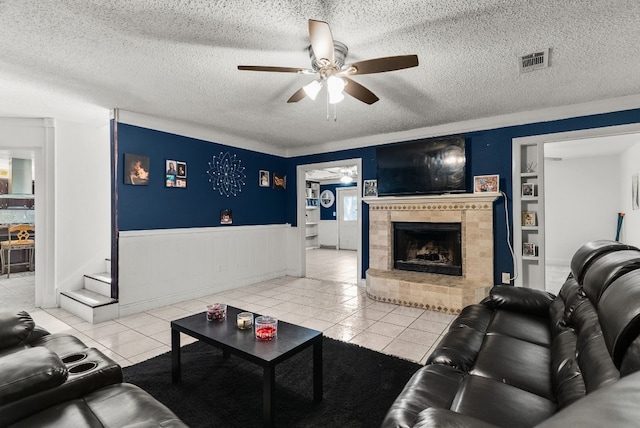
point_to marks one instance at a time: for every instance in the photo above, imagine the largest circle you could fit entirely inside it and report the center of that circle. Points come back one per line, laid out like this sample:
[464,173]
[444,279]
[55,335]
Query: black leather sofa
[524,357]
[55,380]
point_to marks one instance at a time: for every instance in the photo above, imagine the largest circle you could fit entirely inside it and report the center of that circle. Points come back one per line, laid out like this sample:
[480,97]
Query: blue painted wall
[488,152]
[158,207]
[328,213]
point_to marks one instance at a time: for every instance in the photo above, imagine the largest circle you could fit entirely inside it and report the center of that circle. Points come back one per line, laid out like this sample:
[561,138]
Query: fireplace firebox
[428,247]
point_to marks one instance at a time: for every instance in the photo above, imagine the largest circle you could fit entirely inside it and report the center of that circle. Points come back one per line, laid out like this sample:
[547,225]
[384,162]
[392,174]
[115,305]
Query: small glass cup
[244,320]
[266,327]
[216,312]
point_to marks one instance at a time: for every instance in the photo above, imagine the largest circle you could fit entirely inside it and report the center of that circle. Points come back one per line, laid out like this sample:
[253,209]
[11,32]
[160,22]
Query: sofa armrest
[15,327]
[29,371]
[520,299]
[444,418]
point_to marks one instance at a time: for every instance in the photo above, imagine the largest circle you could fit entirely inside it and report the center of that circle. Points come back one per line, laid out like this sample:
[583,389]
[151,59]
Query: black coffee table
[225,335]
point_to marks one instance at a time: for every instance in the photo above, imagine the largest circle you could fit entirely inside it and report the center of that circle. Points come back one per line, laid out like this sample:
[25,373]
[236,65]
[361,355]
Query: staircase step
[89,298]
[90,306]
[98,283]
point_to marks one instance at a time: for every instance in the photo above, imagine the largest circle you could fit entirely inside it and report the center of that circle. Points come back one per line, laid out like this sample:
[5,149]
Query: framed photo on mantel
[486,183]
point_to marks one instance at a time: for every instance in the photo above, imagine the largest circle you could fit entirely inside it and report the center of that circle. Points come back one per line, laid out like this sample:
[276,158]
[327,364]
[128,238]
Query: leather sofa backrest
[590,251]
[606,269]
[15,328]
[619,313]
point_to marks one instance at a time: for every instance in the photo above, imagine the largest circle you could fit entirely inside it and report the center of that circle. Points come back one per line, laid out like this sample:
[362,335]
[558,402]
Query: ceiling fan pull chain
[327,105]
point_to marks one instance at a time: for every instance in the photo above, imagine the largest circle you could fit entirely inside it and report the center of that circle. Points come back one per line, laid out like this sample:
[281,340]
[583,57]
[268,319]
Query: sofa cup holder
[74,358]
[83,368]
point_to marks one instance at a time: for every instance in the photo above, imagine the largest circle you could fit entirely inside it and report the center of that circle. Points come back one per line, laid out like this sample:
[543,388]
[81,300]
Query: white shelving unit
[528,214]
[312,213]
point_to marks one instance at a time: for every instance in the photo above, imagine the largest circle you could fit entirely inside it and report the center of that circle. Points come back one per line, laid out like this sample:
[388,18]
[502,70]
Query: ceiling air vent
[534,61]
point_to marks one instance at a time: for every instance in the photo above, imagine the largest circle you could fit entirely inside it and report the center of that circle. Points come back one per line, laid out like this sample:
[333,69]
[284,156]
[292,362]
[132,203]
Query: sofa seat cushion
[521,326]
[431,386]
[501,404]
[516,362]
[121,405]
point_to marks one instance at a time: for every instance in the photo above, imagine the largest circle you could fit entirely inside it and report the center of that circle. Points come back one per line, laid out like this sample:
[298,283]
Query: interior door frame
[301,203]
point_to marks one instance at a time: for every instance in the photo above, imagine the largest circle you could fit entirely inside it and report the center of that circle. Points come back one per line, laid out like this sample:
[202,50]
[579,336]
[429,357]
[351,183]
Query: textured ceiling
[178,59]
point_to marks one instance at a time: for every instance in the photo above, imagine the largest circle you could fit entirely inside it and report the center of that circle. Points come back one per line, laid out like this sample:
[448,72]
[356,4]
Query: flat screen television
[424,167]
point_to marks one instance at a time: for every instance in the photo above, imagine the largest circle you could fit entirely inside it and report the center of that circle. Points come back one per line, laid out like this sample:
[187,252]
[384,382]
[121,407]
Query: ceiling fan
[327,60]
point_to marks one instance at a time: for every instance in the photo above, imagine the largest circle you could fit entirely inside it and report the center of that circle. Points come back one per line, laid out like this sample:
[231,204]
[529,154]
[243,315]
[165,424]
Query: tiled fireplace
[448,289]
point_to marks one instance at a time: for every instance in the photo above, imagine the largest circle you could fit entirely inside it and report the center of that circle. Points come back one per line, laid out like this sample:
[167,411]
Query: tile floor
[331,303]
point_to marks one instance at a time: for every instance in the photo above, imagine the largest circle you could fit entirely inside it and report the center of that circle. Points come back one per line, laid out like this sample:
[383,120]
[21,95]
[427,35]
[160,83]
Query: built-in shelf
[313,213]
[528,239]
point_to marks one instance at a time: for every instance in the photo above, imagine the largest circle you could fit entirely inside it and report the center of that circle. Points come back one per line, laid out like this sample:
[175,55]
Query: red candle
[266,333]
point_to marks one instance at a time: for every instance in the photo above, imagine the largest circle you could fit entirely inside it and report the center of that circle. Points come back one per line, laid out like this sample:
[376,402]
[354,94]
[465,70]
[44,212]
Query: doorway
[557,224]
[347,214]
[17,206]
[329,260]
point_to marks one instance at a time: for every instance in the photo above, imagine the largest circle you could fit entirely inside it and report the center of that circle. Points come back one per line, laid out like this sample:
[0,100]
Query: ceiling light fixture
[335,86]
[313,88]
[346,176]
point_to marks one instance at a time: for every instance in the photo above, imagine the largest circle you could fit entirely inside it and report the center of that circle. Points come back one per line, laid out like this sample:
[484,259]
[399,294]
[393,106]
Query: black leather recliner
[524,357]
[55,380]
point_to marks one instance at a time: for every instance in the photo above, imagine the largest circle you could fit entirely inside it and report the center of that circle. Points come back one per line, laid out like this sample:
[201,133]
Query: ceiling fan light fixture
[312,89]
[335,86]
[346,179]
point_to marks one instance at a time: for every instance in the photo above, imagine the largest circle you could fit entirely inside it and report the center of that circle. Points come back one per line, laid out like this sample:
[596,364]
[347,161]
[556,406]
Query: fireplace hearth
[428,247]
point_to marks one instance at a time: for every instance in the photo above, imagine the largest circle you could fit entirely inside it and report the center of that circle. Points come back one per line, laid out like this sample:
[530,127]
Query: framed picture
[529,218]
[136,169]
[226,217]
[279,181]
[370,188]
[529,249]
[175,173]
[182,169]
[486,183]
[263,179]
[529,190]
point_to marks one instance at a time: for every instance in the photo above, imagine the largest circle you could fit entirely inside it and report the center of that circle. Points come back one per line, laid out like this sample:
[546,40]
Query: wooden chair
[21,237]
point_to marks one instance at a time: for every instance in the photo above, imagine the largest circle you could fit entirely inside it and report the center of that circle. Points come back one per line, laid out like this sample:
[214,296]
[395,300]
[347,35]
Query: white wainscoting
[162,267]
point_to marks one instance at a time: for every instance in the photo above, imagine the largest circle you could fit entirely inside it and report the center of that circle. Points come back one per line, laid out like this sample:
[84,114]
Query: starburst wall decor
[226,175]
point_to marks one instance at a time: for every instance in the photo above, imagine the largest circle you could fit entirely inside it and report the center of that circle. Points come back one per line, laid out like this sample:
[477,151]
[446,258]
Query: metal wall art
[226,174]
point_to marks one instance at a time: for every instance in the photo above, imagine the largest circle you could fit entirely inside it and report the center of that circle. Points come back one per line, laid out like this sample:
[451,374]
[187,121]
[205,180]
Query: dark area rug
[359,387]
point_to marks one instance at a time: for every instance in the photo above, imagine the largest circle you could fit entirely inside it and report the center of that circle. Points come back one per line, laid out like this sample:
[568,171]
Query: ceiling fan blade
[321,40]
[389,63]
[299,94]
[275,69]
[359,92]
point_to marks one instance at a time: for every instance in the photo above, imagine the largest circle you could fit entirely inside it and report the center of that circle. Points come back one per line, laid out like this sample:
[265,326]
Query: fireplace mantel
[461,198]
[427,290]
